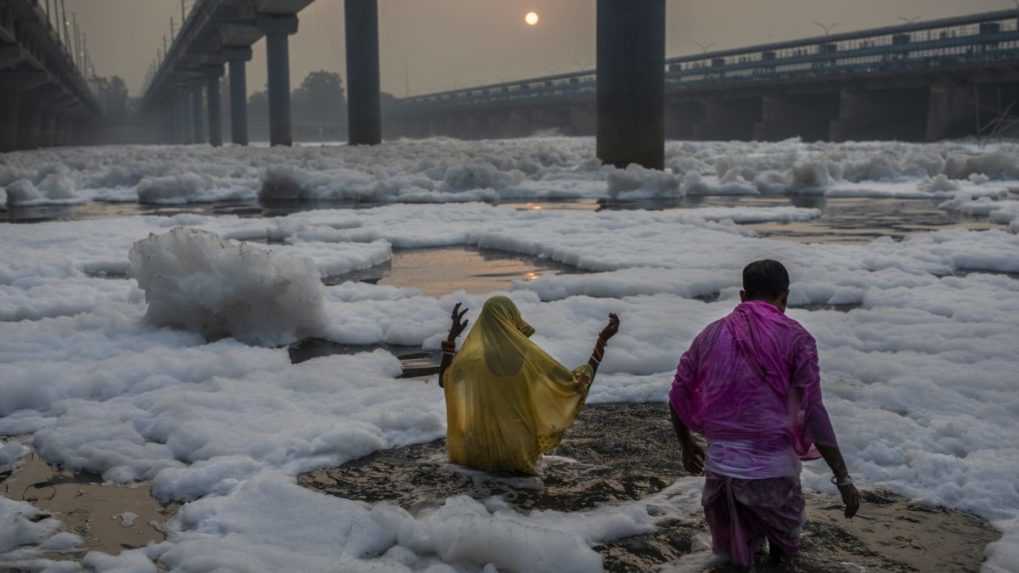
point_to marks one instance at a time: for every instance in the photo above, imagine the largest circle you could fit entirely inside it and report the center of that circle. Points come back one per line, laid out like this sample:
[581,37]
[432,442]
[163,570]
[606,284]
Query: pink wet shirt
[750,384]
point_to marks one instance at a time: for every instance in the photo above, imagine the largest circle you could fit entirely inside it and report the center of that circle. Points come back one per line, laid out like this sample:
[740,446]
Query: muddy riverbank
[621,453]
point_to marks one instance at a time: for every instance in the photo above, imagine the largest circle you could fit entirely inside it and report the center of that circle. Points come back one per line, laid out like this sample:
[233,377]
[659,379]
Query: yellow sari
[507,401]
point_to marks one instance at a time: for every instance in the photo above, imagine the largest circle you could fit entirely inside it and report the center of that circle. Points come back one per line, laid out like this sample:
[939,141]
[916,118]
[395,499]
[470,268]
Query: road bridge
[45,99]
[183,95]
[918,81]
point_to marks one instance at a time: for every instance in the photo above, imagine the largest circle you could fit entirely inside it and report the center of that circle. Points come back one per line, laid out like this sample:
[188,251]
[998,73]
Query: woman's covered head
[502,309]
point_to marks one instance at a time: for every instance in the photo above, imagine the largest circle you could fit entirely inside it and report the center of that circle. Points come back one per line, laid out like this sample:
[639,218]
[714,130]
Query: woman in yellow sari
[507,401]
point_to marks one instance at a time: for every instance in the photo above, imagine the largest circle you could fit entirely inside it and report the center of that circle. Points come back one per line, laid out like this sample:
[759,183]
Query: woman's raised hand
[611,329]
[459,324]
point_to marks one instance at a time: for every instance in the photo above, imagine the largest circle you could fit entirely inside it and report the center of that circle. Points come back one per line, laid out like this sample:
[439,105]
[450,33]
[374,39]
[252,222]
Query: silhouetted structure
[45,99]
[631,82]
[365,112]
[919,81]
[223,31]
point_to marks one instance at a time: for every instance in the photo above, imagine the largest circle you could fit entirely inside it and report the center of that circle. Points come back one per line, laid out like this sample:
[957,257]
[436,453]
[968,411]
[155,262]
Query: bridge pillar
[238,58]
[631,82]
[197,113]
[364,107]
[29,124]
[50,130]
[729,119]
[951,111]
[899,114]
[213,75]
[182,116]
[807,116]
[277,30]
[66,134]
[516,123]
[684,119]
[583,120]
[10,106]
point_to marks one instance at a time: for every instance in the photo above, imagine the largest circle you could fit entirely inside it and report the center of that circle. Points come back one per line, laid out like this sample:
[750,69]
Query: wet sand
[108,518]
[626,452]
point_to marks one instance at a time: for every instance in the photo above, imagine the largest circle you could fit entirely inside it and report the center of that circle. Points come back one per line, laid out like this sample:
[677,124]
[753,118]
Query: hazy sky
[430,45]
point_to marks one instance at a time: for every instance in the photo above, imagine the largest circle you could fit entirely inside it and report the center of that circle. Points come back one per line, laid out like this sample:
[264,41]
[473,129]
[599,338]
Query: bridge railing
[918,46]
[199,9]
[52,55]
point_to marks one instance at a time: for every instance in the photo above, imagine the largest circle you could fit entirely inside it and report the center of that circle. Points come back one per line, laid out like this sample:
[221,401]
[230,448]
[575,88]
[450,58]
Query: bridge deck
[988,40]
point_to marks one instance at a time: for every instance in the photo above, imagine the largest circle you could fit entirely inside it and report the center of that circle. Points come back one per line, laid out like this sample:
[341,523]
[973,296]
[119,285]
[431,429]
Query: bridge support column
[805,116]
[631,82]
[729,119]
[684,119]
[583,120]
[182,119]
[10,105]
[29,124]
[364,107]
[238,58]
[213,75]
[50,130]
[197,113]
[277,30]
[951,111]
[881,115]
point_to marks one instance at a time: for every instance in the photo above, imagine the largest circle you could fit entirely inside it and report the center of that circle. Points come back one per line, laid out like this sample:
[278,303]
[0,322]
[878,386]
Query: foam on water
[919,375]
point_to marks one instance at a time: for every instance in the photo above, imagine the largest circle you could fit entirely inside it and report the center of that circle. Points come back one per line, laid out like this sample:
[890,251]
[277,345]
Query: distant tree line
[318,109]
[113,97]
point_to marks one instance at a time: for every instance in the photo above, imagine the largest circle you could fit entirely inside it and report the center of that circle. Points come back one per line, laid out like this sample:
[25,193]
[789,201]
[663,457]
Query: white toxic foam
[194,280]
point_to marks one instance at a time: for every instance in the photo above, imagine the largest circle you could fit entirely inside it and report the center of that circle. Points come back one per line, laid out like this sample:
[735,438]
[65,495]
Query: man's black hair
[765,279]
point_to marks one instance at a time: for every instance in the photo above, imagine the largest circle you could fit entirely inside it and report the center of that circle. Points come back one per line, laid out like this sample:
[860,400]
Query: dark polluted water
[842,220]
[434,272]
[437,272]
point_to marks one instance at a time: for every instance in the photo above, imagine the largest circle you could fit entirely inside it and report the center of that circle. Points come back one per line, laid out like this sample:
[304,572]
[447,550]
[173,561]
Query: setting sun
[532,18]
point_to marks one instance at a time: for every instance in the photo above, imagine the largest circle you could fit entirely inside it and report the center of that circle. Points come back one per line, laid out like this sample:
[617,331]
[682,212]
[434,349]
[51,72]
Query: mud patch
[626,452]
[108,518]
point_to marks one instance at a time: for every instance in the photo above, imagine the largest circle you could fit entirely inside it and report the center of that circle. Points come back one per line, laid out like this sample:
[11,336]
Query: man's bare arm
[850,496]
[693,453]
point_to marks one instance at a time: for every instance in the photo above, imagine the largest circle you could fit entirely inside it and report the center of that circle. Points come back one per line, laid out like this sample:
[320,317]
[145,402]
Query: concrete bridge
[183,96]
[919,81]
[45,100]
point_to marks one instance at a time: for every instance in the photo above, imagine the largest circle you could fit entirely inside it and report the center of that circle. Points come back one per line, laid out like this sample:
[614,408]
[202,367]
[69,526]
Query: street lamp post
[828,28]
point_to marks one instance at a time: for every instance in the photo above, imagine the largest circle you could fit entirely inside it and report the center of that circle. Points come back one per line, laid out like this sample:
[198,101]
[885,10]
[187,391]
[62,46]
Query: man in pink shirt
[750,385]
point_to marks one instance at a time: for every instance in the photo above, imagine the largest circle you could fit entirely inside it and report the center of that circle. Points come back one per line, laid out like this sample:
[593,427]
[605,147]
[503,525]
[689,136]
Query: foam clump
[636,182]
[10,453]
[197,281]
[292,183]
[170,190]
[53,188]
[23,526]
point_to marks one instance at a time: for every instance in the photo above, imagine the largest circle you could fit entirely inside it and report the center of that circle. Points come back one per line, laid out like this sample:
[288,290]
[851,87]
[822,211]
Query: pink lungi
[743,513]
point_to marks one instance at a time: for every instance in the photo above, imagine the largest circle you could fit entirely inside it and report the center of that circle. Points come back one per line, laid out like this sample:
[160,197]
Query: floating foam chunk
[22,525]
[636,182]
[22,192]
[197,281]
[170,190]
[10,453]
